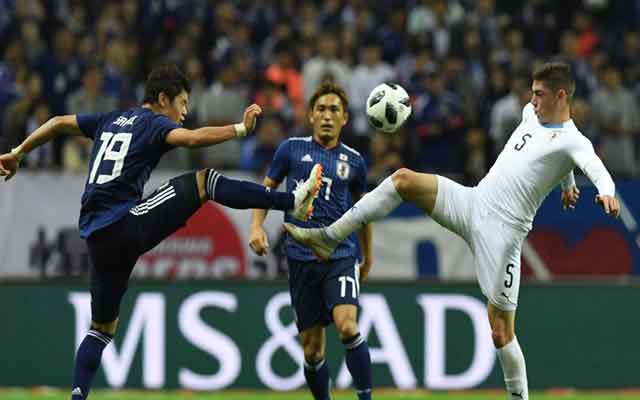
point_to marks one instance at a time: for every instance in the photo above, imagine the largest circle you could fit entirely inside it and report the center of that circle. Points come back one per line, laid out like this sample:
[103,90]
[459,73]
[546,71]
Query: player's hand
[8,165]
[365,267]
[610,205]
[569,198]
[258,241]
[250,116]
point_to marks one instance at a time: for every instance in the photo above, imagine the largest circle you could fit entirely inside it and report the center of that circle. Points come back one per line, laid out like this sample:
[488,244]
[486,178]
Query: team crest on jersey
[342,170]
[554,134]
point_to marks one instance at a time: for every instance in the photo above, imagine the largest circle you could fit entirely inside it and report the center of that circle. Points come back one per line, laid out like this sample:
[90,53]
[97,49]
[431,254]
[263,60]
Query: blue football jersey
[127,146]
[345,174]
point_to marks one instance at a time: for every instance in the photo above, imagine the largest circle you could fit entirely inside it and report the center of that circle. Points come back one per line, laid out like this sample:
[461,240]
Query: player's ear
[163,100]
[346,118]
[311,119]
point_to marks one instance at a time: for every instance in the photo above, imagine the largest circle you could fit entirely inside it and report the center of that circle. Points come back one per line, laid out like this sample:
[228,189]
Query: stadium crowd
[465,63]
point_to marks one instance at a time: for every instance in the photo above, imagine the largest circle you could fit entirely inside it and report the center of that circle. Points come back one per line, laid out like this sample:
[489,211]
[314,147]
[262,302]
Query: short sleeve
[358,185]
[280,164]
[160,127]
[90,123]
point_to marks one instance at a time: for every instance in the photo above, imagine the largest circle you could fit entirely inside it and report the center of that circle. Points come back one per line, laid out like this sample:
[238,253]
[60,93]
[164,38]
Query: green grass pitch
[57,394]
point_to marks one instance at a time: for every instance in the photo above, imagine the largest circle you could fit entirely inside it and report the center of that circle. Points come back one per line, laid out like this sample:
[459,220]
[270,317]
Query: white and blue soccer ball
[388,107]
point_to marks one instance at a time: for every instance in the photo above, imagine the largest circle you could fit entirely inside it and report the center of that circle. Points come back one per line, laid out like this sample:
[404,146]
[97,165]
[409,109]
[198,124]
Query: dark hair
[168,79]
[329,88]
[556,75]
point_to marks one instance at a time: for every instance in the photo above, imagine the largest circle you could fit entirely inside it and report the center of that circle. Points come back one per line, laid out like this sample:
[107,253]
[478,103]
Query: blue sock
[317,376]
[359,364]
[87,362]
[242,194]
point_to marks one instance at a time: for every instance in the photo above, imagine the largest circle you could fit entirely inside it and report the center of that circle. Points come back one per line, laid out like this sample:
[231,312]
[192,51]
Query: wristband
[17,152]
[241,130]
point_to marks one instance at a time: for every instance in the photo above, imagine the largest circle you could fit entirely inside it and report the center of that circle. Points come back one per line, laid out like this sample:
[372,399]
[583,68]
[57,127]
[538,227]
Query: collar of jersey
[557,126]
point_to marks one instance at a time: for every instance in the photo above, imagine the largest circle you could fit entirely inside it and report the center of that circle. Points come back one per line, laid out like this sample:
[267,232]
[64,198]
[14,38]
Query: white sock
[514,370]
[374,205]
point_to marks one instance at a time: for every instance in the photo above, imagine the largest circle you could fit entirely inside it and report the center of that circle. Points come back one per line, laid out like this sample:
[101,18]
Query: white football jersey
[535,159]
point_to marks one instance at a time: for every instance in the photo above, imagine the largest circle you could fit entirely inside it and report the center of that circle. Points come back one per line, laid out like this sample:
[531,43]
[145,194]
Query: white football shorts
[496,245]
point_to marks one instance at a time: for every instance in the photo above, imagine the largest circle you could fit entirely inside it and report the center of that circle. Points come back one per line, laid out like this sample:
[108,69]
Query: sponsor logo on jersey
[307,158]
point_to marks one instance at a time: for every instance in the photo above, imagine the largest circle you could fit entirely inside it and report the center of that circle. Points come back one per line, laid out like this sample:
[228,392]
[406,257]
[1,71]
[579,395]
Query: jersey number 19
[107,152]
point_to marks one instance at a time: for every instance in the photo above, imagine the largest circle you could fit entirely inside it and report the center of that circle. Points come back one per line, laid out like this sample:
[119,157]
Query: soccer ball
[388,107]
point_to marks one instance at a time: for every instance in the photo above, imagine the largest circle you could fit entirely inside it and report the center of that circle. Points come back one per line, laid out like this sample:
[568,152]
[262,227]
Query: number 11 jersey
[127,146]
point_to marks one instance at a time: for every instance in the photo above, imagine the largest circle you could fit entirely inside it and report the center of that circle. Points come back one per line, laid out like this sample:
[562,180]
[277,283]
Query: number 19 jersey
[127,147]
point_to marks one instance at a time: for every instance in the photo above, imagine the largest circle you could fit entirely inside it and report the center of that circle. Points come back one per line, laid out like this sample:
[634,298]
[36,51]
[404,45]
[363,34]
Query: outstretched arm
[212,135]
[585,157]
[56,126]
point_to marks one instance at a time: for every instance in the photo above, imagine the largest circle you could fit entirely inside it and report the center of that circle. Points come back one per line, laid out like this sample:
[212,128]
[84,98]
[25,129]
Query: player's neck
[560,118]
[153,107]
[327,144]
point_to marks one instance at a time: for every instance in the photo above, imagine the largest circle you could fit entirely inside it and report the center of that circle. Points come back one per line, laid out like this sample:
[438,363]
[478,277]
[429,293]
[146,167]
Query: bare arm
[56,126]
[258,237]
[212,135]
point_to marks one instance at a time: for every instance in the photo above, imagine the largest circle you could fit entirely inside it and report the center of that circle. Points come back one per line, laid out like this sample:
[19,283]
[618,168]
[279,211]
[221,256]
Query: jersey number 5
[107,152]
[519,146]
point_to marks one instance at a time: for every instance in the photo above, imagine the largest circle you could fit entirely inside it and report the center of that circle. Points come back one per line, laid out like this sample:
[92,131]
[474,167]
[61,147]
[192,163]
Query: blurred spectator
[384,158]
[588,38]
[257,150]
[90,97]
[513,55]
[324,63]
[617,119]
[223,103]
[32,42]
[586,81]
[628,58]
[486,20]
[506,113]
[273,100]
[224,100]
[481,46]
[12,62]
[195,73]
[17,113]
[459,82]
[475,60]
[60,69]
[582,116]
[283,72]
[475,156]
[43,156]
[370,72]
[439,124]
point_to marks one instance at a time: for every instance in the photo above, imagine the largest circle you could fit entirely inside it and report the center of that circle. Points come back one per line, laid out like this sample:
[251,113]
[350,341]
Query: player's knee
[501,336]
[347,328]
[313,352]
[402,180]
[108,327]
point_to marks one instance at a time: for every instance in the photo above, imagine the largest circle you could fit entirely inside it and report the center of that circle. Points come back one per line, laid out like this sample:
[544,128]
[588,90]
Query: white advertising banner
[39,237]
